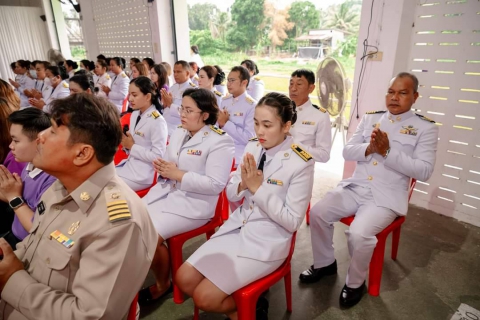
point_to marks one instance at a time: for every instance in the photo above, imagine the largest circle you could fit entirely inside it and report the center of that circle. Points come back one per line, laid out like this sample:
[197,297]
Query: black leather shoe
[350,297]
[313,275]
[145,296]
[262,308]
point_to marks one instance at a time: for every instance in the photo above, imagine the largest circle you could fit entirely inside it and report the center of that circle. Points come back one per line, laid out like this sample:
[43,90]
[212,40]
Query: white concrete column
[61,29]
[182,30]
[87,22]
[49,21]
[390,31]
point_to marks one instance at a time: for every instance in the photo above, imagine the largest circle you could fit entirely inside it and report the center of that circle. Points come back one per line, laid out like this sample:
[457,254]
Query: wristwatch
[16,202]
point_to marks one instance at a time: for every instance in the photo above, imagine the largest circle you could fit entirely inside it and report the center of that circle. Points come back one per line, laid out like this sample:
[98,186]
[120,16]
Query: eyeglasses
[230,80]
[182,110]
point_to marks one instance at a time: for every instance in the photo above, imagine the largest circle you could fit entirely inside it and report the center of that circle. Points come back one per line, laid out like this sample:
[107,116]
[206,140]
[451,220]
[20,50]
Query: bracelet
[386,153]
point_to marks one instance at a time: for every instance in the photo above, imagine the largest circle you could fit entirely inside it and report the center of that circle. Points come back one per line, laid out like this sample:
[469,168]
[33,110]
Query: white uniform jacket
[171,114]
[62,90]
[104,80]
[207,159]
[150,136]
[313,130]
[276,210]
[240,124]
[256,88]
[413,145]
[119,90]
[25,83]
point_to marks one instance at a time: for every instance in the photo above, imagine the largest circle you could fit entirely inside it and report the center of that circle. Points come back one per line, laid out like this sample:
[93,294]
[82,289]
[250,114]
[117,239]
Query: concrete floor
[437,269]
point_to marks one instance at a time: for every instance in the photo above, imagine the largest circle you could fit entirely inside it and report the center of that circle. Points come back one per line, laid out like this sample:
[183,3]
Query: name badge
[41,208]
[309,123]
[275,182]
[194,152]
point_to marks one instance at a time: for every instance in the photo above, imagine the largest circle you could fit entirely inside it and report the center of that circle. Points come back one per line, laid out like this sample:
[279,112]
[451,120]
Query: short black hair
[184,64]
[251,66]
[206,101]
[286,108]
[12,65]
[146,86]
[150,62]
[118,61]
[85,81]
[244,74]
[101,57]
[58,71]
[32,120]
[307,74]
[411,76]
[91,120]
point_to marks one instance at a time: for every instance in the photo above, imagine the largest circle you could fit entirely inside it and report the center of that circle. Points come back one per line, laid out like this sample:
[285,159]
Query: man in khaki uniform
[92,241]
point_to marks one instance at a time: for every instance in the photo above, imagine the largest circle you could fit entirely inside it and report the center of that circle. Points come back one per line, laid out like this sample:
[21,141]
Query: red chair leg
[288,289]
[395,242]
[376,267]
[176,260]
[246,308]
[196,315]
[308,215]
[132,312]
[210,234]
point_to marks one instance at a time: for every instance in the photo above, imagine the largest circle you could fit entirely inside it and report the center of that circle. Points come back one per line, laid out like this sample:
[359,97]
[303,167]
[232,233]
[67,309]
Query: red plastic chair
[246,297]
[308,215]
[225,211]
[143,193]
[376,264]
[175,244]
[132,313]
[120,154]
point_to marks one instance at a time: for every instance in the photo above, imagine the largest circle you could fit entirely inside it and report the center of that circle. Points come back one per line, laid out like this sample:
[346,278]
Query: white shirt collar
[32,171]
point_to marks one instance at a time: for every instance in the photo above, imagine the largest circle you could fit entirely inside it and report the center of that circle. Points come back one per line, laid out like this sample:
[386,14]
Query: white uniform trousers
[369,220]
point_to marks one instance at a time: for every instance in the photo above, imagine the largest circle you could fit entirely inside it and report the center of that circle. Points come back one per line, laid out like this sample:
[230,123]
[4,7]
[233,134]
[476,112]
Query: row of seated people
[274,179]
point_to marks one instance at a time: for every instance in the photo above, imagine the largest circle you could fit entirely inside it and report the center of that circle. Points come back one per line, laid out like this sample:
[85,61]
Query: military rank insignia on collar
[217,130]
[275,182]
[194,152]
[301,153]
[118,211]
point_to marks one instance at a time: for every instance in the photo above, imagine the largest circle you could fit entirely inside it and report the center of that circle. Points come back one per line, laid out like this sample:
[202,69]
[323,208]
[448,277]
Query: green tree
[247,17]
[305,17]
[220,25]
[200,15]
[344,17]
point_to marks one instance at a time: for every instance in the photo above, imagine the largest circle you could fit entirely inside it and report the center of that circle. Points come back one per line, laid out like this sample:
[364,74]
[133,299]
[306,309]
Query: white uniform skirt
[134,185]
[216,259]
[169,224]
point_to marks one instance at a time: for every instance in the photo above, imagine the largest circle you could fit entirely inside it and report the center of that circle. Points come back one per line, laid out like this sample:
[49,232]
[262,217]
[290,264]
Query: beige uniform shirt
[87,255]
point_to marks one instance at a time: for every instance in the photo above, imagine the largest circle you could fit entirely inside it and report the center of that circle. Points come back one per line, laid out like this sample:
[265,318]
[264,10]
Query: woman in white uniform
[81,83]
[191,176]
[103,79]
[22,81]
[256,239]
[256,87]
[207,77]
[57,89]
[146,137]
[119,88]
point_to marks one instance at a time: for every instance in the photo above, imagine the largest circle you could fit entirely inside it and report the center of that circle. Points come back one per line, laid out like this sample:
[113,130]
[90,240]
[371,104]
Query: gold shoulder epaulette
[425,118]
[257,78]
[117,206]
[124,75]
[195,77]
[65,85]
[193,85]
[155,114]
[253,139]
[217,130]
[375,112]
[249,99]
[301,153]
[107,76]
[319,108]
[218,93]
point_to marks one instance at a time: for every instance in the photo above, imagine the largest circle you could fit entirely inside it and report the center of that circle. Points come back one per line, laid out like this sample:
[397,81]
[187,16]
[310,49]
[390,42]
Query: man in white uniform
[390,147]
[172,100]
[312,129]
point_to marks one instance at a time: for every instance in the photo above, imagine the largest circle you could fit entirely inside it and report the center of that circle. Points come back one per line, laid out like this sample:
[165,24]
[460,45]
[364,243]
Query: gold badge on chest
[73,228]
